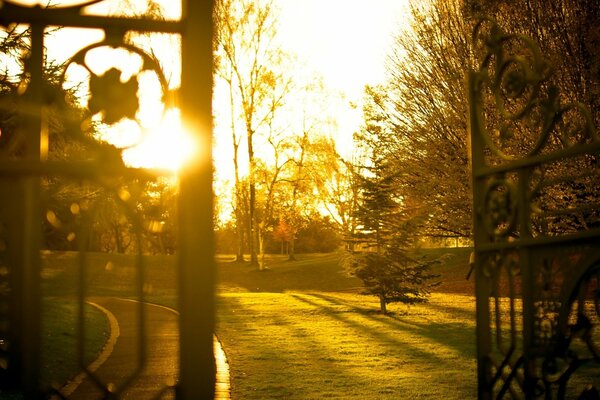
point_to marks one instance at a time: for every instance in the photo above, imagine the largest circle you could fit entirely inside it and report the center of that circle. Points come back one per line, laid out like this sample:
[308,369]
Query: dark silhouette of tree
[424,105]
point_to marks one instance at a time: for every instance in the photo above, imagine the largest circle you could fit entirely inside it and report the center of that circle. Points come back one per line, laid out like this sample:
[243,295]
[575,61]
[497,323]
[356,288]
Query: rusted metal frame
[568,179]
[535,242]
[139,292]
[111,392]
[488,245]
[197,369]
[196,247]
[81,295]
[12,13]
[513,374]
[528,282]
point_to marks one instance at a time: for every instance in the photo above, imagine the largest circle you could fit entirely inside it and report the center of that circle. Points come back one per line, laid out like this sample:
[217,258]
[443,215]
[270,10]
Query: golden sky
[343,41]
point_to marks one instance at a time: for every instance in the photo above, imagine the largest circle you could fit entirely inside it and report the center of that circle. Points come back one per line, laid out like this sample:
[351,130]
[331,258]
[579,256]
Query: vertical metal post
[196,254]
[481,287]
[28,292]
[528,284]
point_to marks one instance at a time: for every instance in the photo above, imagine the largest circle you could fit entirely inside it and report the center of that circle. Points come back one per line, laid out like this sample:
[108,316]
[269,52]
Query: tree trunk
[118,242]
[253,228]
[383,304]
[239,215]
[292,249]
[239,228]
[261,247]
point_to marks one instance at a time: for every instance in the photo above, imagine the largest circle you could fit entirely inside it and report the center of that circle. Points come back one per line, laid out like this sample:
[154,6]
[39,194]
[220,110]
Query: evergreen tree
[384,226]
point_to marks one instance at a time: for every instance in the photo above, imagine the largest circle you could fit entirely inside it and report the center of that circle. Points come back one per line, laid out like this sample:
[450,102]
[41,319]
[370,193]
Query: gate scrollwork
[536,194]
[60,178]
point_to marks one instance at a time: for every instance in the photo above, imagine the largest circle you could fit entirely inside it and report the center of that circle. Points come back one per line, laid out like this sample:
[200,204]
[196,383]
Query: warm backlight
[166,146]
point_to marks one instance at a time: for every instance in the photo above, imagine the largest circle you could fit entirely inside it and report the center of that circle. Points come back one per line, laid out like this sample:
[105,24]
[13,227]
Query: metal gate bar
[196,248]
[23,210]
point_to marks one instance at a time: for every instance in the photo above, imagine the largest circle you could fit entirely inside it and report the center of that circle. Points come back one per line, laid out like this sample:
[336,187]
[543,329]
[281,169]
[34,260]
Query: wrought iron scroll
[536,194]
[29,168]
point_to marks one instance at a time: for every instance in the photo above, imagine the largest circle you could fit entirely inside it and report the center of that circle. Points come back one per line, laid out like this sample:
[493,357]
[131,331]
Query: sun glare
[166,146]
[346,57]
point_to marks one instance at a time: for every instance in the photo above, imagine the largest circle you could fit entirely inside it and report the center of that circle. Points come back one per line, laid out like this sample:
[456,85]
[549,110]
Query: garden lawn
[59,338]
[300,329]
[317,345]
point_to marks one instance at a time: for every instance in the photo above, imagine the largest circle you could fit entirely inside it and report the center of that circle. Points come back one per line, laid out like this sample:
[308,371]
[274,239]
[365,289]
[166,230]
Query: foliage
[420,114]
[318,235]
[251,64]
[335,183]
[567,33]
[314,234]
[384,223]
[112,209]
[393,277]
[420,110]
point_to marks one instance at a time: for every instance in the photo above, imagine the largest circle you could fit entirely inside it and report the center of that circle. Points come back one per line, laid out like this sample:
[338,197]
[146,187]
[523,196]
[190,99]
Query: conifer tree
[384,226]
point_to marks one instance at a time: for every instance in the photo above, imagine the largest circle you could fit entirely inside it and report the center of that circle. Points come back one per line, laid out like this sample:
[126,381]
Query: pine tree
[386,268]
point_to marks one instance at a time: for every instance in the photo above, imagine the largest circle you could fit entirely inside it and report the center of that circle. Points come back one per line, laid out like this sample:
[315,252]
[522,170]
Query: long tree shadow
[382,337]
[330,367]
[332,336]
[450,334]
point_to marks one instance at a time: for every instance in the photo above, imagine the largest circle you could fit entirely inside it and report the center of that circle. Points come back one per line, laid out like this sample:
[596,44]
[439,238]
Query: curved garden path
[118,366]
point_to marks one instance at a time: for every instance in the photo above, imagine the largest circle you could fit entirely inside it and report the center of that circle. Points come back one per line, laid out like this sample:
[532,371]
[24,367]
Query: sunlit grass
[301,330]
[314,345]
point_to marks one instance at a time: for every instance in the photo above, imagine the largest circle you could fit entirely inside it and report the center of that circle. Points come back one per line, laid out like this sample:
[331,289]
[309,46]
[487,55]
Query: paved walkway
[120,366]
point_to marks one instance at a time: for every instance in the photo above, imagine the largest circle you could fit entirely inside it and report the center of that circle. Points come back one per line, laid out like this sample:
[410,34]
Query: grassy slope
[59,339]
[322,272]
[298,330]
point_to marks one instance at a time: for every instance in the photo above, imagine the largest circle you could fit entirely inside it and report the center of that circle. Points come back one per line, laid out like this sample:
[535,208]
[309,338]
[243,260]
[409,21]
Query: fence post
[196,255]
[27,299]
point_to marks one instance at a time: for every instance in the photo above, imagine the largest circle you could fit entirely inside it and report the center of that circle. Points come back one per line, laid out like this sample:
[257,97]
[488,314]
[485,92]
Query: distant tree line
[418,117]
[286,169]
[315,235]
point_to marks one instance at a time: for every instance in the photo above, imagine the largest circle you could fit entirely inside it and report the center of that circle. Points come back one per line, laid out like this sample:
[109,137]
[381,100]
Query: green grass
[316,345]
[309,272]
[300,329]
[111,275]
[60,360]
[59,356]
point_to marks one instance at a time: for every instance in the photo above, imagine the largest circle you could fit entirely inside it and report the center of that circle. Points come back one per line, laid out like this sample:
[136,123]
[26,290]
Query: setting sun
[166,146]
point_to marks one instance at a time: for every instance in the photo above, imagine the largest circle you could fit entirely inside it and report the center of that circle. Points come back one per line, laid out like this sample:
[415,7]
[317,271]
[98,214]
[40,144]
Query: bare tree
[246,47]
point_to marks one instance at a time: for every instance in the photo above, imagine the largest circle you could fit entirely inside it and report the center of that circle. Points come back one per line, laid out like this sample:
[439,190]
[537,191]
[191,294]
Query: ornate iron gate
[29,172]
[536,201]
